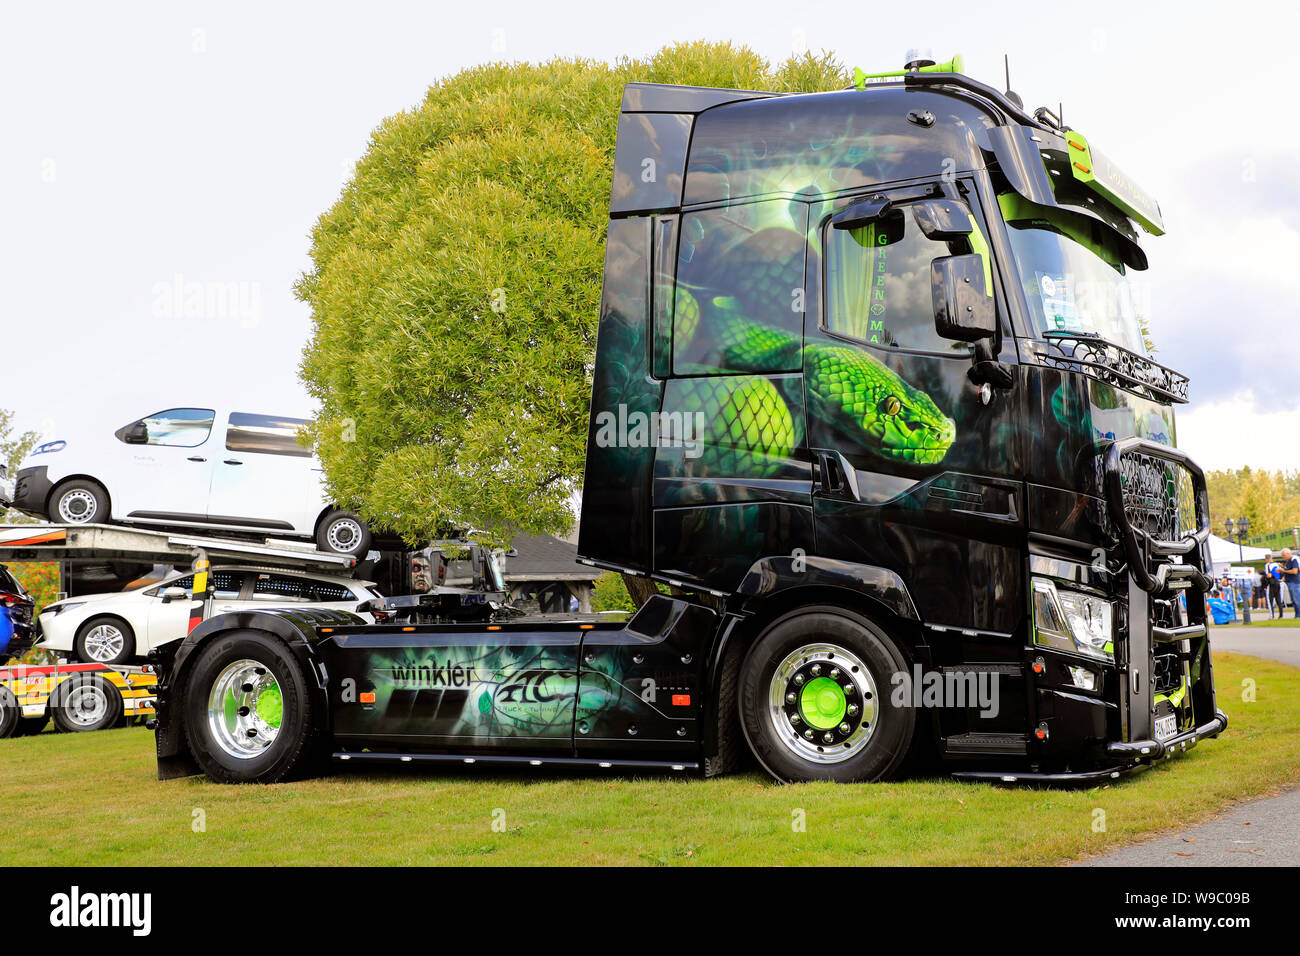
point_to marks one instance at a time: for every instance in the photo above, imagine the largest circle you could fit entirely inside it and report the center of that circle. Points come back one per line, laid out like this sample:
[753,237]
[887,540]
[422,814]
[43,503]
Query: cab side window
[878,284]
[177,427]
[266,435]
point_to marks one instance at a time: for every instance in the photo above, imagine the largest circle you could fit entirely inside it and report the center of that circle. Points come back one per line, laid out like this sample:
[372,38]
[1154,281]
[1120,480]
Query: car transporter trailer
[85,696]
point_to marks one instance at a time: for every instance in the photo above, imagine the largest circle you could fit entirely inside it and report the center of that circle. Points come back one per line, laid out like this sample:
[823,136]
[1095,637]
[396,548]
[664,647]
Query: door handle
[232,461]
[195,458]
[837,477]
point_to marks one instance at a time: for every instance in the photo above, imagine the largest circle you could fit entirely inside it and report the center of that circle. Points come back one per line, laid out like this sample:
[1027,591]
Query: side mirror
[136,434]
[963,309]
[173,594]
[861,213]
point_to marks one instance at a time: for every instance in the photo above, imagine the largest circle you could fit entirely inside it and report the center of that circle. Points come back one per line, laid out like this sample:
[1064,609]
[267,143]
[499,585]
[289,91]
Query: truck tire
[343,532]
[104,640]
[79,501]
[815,700]
[10,714]
[248,710]
[85,702]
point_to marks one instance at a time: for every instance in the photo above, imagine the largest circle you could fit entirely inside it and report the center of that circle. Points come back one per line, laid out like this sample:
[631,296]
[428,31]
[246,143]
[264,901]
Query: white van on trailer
[190,467]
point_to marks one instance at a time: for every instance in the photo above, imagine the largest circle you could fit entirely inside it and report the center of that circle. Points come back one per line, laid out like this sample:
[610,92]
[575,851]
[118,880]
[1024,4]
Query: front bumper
[32,491]
[1133,756]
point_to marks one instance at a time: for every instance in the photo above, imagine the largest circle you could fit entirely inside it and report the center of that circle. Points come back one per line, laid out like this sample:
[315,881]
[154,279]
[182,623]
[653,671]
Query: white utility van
[190,468]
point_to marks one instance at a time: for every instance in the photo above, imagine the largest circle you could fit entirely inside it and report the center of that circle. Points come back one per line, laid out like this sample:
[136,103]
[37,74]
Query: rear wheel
[815,699]
[80,501]
[248,711]
[104,640]
[343,532]
[86,702]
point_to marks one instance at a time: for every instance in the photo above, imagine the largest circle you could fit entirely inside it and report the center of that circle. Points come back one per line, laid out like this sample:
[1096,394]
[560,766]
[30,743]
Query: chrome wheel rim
[822,703]
[78,506]
[104,643]
[245,708]
[343,535]
[86,704]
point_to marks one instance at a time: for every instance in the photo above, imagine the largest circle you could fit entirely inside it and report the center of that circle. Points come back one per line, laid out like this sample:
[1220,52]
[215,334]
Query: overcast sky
[156,149]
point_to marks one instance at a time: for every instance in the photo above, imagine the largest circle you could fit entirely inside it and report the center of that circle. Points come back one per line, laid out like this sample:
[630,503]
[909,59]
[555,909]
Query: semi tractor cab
[872,397]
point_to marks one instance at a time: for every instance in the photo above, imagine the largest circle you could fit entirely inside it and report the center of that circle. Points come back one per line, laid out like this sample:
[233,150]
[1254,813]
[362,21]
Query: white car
[193,468]
[119,627]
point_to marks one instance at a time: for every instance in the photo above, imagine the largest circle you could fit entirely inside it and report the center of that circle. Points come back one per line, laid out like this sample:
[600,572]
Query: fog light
[1082,677]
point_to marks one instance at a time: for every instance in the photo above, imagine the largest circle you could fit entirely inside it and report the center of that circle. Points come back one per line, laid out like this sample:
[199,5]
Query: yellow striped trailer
[79,697]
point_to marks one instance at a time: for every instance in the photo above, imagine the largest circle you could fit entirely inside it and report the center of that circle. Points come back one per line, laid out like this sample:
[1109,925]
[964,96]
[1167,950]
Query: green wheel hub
[822,703]
[270,706]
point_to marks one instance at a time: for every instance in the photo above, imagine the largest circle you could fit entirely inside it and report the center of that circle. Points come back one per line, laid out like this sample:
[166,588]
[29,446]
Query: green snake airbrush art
[870,399]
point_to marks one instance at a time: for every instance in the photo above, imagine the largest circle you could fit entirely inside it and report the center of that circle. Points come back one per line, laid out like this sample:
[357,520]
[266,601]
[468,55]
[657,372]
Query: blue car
[16,610]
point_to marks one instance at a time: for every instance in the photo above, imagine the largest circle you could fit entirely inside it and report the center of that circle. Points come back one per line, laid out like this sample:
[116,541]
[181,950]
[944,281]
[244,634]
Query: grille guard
[1139,545]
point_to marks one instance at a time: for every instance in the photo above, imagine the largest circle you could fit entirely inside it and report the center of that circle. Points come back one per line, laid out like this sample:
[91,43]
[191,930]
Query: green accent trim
[1104,178]
[1176,698]
[822,704]
[270,706]
[979,245]
[1016,208]
[955,65]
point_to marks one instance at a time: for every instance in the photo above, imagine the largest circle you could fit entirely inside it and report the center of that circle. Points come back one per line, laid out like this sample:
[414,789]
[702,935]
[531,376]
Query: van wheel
[104,640]
[815,699]
[248,711]
[343,532]
[79,501]
[86,702]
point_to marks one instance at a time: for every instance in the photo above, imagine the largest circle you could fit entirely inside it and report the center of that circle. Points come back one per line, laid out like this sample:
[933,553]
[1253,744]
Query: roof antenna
[1012,96]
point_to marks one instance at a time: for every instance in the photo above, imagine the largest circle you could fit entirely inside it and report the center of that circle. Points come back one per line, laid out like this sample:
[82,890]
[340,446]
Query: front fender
[770,576]
[174,661]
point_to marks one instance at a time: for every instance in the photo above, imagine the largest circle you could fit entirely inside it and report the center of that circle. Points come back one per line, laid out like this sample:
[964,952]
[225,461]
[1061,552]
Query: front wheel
[86,702]
[815,699]
[80,501]
[248,711]
[104,640]
[343,532]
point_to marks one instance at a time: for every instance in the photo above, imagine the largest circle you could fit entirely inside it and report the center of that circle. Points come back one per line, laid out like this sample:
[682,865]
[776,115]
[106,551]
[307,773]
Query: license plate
[1166,727]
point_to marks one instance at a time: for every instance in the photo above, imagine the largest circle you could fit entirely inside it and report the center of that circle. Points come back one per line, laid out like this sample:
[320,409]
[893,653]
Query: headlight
[48,447]
[1072,620]
[56,608]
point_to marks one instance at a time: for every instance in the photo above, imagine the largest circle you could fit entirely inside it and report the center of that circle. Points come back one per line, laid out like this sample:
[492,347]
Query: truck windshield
[1073,278]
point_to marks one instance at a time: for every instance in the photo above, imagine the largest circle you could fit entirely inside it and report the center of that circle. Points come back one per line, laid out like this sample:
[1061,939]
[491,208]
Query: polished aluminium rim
[343,534]
[245,708]
[86,704]
[822,703]
[78,506]
[104,642]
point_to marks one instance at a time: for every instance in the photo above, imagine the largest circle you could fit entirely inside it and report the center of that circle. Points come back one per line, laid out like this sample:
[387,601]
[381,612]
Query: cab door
[162,466]
[915,472]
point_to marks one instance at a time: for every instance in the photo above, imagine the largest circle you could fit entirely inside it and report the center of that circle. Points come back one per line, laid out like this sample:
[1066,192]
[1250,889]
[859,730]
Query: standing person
[1291,578]
[1273,586]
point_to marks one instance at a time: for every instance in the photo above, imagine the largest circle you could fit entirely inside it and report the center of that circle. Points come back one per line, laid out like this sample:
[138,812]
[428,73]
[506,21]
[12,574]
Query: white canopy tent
[1224,553]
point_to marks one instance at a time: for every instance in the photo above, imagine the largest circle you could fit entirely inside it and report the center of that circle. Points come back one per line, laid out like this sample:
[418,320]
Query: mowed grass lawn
[93,799]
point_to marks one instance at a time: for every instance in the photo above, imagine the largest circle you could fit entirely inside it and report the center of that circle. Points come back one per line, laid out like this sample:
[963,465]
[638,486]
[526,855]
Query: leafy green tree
[1270,499]
[455,287]
[13,449]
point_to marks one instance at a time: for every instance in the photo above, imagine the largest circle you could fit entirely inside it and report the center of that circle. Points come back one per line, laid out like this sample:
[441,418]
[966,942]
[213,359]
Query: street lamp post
[1241,526]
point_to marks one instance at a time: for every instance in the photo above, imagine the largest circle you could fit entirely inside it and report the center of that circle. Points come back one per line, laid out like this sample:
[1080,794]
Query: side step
[1004,744]
[499,760]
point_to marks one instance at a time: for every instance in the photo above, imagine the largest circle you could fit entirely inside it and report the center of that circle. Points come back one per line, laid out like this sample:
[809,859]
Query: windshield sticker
[1057,297]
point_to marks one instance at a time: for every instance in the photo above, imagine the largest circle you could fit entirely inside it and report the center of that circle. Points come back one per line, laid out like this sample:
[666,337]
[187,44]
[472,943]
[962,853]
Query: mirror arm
[986,369]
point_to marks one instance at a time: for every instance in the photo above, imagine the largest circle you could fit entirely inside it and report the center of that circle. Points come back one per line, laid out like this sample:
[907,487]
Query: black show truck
[872,398]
